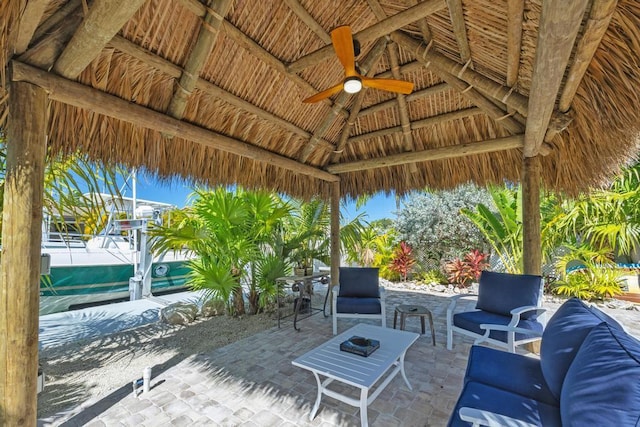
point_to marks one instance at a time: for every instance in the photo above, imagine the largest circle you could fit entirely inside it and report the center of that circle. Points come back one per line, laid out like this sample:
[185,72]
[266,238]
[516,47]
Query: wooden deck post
[335,233]
[20,263]
[531,238]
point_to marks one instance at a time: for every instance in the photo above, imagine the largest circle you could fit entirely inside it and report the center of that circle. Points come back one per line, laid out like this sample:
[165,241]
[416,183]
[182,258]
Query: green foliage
[403,260]
[594,282]
[361,247]
[606,218]
[434,275]
[232,230]
[502,226]
[595,278]
[73,187]
[432,224]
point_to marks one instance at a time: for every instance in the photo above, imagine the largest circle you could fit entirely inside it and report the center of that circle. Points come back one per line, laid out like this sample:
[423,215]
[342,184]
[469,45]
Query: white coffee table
[329,361]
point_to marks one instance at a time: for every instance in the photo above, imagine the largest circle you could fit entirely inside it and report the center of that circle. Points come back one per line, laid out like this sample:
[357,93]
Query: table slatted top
[328,360]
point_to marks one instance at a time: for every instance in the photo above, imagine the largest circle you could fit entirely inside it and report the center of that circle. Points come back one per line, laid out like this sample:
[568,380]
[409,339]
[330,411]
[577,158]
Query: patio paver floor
[252,382]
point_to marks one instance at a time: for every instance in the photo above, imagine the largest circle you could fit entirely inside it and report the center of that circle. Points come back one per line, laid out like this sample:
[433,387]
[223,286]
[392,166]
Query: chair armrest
[454,300]
[520,310]
[383,293]
[506,328]
[478,417]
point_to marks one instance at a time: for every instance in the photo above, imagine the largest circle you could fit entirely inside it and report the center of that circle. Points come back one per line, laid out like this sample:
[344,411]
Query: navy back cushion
[500,293]
[359,282]
[602,386]
[563,336]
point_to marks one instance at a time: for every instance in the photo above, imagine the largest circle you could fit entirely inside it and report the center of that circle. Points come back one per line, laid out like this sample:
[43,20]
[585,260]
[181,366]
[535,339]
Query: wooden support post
[20,262]
[531,238]
[335,233]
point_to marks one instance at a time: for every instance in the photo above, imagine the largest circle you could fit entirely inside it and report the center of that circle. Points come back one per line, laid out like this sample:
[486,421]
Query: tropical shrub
[464,271]
[595,278]
[403,260]
[594,282]
[434,275]
[432,224]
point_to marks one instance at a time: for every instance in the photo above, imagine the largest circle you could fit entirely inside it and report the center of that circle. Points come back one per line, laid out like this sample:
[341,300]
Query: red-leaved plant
[477,261]
[403,260]
[464,271]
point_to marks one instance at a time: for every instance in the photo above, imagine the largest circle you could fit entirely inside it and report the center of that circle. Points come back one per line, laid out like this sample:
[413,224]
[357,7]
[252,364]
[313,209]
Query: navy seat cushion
[602,386]
[502,292]
[511,372]
[359,282]
[563,336]
[358,305]
[471,321]
[481,396]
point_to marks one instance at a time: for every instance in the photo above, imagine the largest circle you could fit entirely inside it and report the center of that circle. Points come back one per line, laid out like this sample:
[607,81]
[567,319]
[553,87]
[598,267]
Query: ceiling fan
[353,82]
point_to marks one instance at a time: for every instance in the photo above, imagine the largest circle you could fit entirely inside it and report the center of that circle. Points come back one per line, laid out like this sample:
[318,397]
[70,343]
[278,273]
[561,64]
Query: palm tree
[607,218]
[73,186]
[231,232]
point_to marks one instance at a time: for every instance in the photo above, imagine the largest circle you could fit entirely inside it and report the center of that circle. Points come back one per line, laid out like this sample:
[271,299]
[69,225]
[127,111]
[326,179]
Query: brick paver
[252,382]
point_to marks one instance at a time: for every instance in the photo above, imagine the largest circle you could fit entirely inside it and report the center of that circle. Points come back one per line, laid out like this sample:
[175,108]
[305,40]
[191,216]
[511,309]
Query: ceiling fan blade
[324,94]
[343,45]
[392,85]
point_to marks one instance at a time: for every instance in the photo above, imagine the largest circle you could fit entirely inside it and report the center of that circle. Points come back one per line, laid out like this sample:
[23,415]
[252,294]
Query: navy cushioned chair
[507,313]
[359,295]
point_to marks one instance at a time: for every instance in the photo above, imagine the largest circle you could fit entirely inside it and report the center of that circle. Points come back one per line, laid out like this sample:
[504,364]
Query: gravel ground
[83,370]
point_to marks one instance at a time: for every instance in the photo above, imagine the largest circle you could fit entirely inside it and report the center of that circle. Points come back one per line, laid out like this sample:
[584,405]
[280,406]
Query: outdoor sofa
[588,374]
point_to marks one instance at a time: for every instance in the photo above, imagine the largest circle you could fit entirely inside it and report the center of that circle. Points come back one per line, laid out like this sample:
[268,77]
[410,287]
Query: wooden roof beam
[81,96]
[55,19]
[595,27]
[365,67]
[419,124]
[559,24]
[503,94]
[309,20]
[47,48]
[413,96]
[346,130]
[377,30]
[500,116]
[515,17]
[405,121]
[29,21]
[175,71]
[209,29]
[459,30]
[255,49]
[104,20]
[461,150]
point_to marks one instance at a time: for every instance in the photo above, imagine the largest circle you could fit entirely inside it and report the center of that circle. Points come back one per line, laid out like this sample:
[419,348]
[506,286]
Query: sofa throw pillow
[359,282]
[602,386]
[561,339]
[500,293]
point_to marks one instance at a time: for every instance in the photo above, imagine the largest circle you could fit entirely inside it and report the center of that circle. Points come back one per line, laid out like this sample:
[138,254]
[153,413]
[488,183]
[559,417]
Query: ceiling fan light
[352,85]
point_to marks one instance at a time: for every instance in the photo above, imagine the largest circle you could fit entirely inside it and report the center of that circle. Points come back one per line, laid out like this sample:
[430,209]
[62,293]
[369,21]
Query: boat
[114,265]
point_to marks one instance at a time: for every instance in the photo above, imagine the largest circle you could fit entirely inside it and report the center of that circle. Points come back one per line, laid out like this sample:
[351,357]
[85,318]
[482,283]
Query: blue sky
[378,207]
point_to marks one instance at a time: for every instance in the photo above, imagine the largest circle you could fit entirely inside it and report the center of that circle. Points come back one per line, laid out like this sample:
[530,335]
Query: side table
[414,310]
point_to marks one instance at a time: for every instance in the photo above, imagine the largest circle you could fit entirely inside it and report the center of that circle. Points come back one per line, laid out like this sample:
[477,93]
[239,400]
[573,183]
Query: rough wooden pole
[335,233]
[531,238]
[20,262]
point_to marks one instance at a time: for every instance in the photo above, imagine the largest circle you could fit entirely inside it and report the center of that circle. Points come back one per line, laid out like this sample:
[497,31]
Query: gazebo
[544,92]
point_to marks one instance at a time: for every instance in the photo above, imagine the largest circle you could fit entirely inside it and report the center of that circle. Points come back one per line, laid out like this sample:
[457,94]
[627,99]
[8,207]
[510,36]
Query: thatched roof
[219,88]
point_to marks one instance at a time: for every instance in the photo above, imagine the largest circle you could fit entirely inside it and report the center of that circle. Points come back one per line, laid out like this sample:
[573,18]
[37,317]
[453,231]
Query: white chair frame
[510,328]
[382,316]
